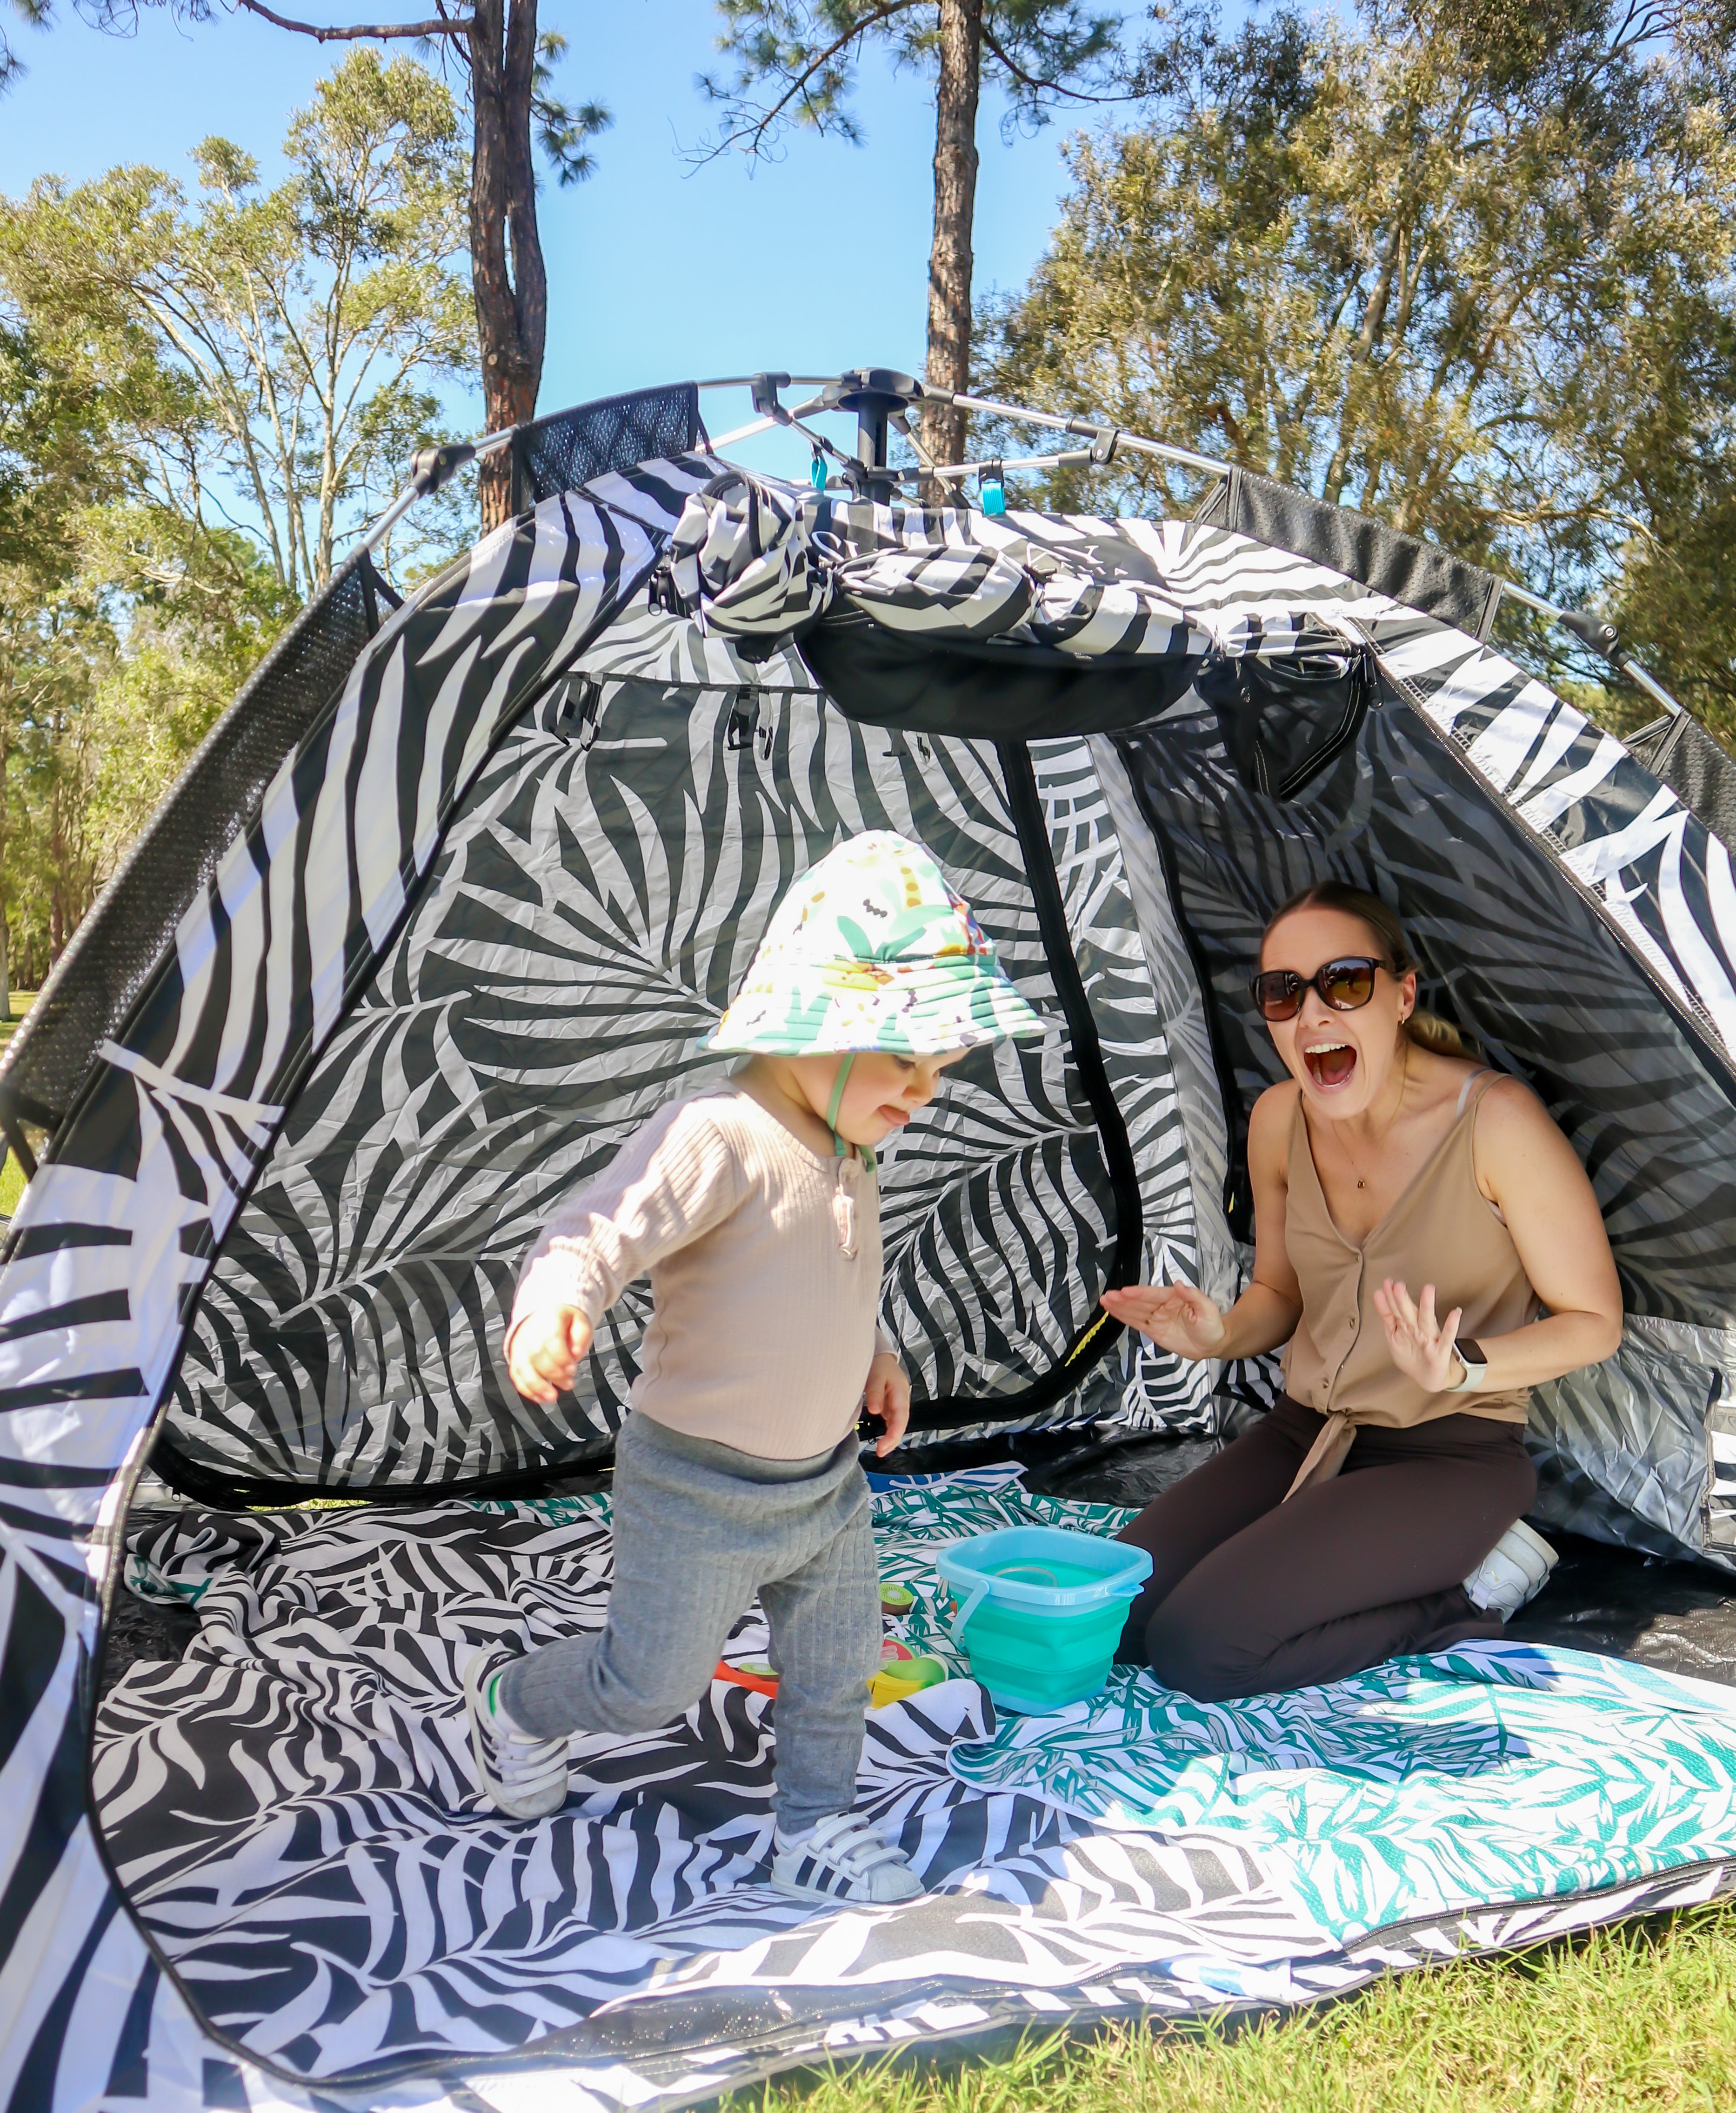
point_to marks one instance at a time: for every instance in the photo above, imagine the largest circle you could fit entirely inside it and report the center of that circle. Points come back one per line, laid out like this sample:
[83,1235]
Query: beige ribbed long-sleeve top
[764,1266]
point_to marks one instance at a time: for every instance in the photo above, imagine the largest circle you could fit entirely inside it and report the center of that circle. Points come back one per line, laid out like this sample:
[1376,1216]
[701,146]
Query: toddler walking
[755,1209]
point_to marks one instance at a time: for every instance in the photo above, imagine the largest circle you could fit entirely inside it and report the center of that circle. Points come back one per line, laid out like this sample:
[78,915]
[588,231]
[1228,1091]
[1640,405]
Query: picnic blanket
[290,1810]
[1490,1773]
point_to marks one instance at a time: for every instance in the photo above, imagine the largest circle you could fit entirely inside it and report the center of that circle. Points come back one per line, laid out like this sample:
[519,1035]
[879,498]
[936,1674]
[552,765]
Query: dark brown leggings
[1249,1594]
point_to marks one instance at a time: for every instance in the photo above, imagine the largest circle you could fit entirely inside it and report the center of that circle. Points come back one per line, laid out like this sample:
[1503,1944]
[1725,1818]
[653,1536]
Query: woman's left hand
[888,1398]
[1421,1347]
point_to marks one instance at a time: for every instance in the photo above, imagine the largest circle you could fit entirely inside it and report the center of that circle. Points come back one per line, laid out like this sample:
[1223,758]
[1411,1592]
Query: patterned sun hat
[873,949]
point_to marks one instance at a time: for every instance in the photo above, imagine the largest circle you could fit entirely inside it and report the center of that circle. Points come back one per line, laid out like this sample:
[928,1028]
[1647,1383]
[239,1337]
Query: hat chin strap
[840,1149]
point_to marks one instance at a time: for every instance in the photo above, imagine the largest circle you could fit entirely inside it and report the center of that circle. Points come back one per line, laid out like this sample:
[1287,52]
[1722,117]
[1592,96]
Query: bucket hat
[872,948]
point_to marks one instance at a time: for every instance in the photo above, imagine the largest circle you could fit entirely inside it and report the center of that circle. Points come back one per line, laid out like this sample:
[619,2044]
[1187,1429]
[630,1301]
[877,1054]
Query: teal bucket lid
[1018,1566]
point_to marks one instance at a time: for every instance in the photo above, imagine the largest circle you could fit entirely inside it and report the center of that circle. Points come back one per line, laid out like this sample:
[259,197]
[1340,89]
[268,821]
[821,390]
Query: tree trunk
[509,281]
[955,206]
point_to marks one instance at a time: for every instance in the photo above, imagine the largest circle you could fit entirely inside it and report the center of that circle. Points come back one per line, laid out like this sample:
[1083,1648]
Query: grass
[1641,2016]
[11,1174]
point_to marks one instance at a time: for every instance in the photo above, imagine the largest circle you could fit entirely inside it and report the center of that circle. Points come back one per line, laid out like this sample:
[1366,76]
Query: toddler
[755,1209]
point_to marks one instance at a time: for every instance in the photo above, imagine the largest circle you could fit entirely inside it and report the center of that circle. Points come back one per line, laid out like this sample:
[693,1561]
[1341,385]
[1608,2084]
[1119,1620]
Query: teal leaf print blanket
[1494,1772]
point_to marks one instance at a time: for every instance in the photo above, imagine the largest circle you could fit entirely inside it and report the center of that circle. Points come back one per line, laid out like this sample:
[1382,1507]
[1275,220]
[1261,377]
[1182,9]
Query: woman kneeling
[1341,1529]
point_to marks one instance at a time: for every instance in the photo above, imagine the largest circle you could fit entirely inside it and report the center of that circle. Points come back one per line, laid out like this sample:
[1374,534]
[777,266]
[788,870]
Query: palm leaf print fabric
[594,909]
[291,1809]
[1490,1773]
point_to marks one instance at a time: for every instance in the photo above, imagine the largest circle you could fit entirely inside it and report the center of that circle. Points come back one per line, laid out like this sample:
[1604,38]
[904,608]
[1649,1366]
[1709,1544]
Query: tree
[56,463]
[508,66]
[1470,267]
[293,334]
[124,629]
[35,12]
[795,64]
[198,399]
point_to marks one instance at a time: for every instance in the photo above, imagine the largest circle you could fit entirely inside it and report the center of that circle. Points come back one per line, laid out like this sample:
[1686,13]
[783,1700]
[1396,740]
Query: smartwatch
[1470,1355]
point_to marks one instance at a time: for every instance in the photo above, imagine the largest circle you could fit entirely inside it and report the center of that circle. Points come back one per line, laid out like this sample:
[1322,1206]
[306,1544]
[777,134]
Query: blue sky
[658,271]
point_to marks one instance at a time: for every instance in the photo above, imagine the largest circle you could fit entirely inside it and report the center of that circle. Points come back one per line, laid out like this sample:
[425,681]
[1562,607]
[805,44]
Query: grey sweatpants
[699,1529]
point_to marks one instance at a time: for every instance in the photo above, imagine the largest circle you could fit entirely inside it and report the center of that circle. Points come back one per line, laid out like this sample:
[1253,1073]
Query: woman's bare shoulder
[1268,1126]
[1507,1107]
[1517,1141]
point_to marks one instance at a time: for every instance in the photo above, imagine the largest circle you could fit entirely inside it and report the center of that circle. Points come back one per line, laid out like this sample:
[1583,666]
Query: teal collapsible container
[1039,1610]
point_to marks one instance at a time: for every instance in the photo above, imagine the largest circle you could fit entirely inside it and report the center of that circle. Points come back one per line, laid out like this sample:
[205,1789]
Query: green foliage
[794,61]
[563,129]
[199,398]
[1631,2018]
[1470,267]
[36,14]
[291,335]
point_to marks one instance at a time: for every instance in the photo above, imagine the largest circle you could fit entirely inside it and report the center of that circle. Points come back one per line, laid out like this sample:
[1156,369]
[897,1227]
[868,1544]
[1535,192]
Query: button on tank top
[1443,1230]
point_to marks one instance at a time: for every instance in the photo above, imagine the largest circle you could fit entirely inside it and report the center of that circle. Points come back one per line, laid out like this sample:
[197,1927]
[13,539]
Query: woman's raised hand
[1175,1317]
[1421,1346]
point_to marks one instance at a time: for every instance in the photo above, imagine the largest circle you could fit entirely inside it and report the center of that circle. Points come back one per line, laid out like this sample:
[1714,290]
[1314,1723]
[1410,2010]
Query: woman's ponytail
[1429,1030]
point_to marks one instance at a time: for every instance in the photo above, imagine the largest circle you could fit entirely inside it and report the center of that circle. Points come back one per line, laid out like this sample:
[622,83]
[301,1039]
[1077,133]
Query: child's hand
[888,1398]
[546,1346]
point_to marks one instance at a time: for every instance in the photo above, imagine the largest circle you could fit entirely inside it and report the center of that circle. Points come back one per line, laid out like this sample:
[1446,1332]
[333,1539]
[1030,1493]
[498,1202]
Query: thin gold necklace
[1403,1080]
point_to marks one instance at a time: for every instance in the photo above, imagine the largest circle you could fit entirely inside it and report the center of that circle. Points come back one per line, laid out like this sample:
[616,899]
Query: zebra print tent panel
[597,900]
[186,1261]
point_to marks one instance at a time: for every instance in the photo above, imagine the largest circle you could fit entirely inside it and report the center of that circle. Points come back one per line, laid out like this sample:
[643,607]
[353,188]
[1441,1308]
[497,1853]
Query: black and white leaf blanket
[290,1810]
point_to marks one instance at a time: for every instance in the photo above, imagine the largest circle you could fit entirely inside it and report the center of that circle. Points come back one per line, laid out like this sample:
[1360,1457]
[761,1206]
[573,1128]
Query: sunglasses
[1346,986]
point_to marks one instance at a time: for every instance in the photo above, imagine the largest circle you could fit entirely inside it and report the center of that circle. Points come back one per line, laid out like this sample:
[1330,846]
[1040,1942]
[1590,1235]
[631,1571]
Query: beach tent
[438,913]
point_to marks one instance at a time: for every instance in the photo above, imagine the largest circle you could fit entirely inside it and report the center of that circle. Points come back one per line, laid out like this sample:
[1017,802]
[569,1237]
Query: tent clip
[431,467]
[587,696]
[1103,444]
[744,722]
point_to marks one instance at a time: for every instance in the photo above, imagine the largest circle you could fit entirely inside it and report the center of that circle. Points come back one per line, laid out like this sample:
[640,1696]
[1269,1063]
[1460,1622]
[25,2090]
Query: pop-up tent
[439,914]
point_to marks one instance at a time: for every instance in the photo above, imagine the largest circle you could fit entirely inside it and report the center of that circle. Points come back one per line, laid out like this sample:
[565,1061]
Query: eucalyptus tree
[507,65]
[58,463]
[795,65]
[300,334]
[1469,265]
[201,391]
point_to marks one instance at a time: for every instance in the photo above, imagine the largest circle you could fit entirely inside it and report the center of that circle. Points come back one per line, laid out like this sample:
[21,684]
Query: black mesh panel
[1415,573]
[561,452]
[112,954]
[1678,750]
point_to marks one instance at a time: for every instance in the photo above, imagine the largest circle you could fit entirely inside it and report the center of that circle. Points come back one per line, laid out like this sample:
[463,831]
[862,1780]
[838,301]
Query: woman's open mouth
[1330,1064]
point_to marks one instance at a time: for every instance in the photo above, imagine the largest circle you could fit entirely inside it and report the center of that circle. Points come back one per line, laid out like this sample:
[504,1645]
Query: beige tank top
[1443,1230]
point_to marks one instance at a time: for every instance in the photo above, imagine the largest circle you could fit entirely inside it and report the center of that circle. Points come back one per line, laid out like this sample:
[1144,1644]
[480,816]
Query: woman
[1428,1246]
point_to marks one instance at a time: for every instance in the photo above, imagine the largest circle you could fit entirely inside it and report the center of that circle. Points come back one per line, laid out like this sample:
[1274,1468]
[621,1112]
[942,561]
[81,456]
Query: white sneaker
[1515,1570]
[844,1858]
[522,1776]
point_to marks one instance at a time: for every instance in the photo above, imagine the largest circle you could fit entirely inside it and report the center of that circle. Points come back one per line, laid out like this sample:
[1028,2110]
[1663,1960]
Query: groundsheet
[290,1810]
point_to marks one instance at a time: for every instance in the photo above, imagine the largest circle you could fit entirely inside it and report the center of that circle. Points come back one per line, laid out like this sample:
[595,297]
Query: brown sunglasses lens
[1346,985]
[1278,993]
